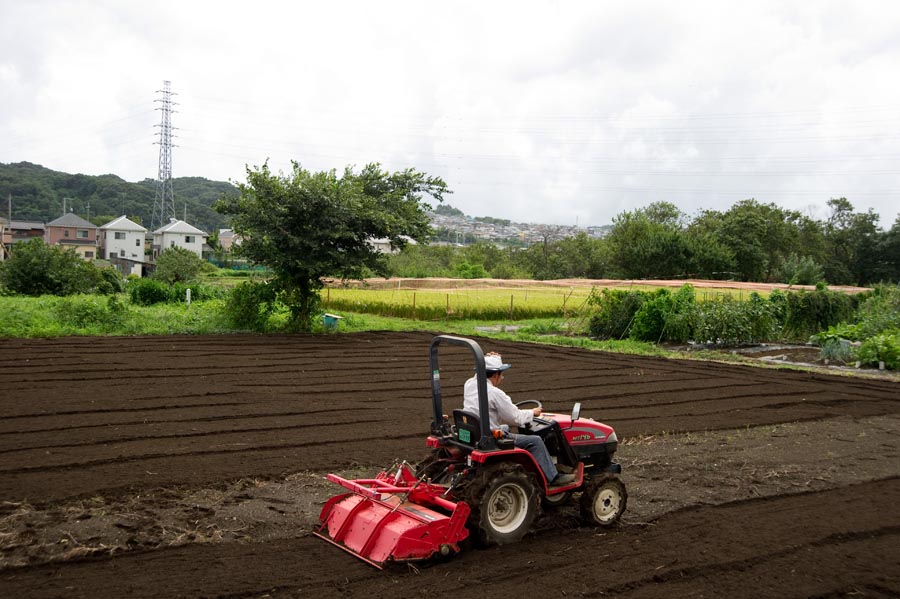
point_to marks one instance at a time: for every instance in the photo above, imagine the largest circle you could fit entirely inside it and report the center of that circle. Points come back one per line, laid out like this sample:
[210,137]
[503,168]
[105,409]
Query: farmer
[503,414]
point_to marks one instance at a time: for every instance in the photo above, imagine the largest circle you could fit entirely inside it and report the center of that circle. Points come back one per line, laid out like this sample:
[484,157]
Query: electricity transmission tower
[164,205]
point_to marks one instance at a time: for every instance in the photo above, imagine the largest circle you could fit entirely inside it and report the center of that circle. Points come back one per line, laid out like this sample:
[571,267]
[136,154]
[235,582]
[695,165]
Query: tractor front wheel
[603,501]
[504,504]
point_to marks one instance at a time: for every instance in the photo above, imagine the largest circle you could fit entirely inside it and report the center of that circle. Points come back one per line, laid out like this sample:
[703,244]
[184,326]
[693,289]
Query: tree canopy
[177,265]
[306,226]
[36,268]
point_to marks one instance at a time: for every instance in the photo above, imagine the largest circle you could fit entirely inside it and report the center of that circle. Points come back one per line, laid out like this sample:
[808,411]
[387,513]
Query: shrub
[465,270]
[250,304]
[146,292]
[880,311]
[722,321]
[90,312]
[111,282]
[36,268]
[615,312]
[809,312]
[778,306]
[665,316]
[800,270]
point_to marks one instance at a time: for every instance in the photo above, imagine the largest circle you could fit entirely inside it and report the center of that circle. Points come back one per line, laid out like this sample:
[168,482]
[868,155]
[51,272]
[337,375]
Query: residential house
[23,230]
[178,234]
[228,239]
[72,231]
[382,245]
[122,243]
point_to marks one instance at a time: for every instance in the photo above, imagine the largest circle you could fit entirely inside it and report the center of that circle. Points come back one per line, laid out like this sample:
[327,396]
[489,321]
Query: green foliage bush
[809,312]
[881,348]
[249,305]
[178,265]
[199,292]
[91,312]
[879,311]
[615,311]
[800,270]
[666,316]
[722,321]
[465,270]
[729,321]
[112,281]
[36,268]
[146,292]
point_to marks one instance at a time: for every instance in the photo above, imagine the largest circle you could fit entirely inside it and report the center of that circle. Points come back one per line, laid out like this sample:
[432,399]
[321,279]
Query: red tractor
[474,483]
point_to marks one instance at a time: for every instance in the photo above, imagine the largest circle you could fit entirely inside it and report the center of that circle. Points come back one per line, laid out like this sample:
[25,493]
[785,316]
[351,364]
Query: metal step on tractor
[474,484]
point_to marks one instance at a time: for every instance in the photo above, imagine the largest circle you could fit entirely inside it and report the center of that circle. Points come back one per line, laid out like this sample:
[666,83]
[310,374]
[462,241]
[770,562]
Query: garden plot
[191,466]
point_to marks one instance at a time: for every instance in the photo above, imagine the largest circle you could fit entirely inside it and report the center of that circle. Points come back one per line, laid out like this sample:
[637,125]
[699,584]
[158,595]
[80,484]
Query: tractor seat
[468,427]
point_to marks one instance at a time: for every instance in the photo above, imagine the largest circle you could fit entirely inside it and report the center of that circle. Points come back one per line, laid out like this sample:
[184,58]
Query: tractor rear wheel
[603,501]
[504,502]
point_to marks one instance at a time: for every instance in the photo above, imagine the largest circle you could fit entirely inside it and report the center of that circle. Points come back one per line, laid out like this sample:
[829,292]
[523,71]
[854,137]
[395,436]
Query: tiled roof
[71,220]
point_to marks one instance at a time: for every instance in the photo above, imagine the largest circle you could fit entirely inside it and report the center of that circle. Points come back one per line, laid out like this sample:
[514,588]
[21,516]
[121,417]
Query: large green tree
[306,226]
[177,265]
[36,268]
[852,239]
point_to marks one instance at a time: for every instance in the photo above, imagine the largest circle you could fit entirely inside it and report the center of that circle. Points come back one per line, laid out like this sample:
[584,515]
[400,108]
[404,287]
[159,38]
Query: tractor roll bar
[487,440]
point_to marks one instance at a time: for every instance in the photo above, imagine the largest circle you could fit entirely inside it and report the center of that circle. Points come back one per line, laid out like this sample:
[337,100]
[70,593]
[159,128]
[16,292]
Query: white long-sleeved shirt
[500,407]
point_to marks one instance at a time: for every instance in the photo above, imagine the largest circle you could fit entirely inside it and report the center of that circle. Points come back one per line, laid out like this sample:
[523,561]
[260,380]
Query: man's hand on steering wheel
[537,411]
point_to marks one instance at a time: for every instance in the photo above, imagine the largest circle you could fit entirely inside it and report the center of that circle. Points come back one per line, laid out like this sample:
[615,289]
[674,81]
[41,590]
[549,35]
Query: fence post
[414,305]
[511,306]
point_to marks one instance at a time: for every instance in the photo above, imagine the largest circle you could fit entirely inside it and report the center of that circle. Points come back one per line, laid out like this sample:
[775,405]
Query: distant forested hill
[38,194]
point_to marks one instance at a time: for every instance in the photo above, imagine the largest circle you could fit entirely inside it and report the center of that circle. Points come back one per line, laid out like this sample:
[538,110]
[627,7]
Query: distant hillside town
[454,227]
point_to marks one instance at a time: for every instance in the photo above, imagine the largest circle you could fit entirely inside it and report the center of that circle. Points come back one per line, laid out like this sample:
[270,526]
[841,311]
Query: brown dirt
[192,466]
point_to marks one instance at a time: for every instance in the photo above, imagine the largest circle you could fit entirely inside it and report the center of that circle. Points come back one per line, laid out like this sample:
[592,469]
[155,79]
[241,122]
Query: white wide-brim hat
[495,364]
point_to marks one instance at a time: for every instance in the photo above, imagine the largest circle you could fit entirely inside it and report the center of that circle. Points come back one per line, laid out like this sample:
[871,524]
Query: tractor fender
[514,456]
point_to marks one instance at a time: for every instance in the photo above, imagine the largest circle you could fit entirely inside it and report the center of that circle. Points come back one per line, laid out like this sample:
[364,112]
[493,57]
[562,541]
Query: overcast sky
[537,111]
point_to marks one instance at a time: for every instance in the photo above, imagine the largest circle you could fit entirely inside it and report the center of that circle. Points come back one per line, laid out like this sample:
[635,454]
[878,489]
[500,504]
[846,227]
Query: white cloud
[536,111]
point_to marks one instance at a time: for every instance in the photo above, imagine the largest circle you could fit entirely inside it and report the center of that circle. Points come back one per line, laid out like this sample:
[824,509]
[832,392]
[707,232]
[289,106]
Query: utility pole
[164,205]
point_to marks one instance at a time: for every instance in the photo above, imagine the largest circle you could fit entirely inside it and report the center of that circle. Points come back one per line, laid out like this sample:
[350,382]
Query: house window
[122,253]
[189,239]
[172,244]
[137,243]
[65,232]
[81,234]
[120,235]
[89,254]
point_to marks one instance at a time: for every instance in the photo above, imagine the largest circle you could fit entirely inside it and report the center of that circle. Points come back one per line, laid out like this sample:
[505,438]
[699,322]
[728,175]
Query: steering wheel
[528,401]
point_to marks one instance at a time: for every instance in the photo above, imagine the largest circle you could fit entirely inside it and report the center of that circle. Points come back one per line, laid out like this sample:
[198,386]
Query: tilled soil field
[192,466]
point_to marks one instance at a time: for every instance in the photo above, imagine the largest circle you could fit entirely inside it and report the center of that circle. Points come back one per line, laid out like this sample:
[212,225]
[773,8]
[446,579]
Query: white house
[178,234]
[122,243]
[382,245]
